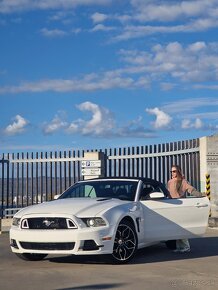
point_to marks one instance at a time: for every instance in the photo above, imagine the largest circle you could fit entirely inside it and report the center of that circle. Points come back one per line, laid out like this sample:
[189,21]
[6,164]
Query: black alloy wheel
[125,243]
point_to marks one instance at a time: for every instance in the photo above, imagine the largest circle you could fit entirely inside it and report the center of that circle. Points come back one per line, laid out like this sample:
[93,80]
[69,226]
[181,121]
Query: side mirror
[56,196]
[156,195]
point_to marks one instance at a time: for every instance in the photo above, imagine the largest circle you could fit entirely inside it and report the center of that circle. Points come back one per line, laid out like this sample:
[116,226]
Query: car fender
[115,215]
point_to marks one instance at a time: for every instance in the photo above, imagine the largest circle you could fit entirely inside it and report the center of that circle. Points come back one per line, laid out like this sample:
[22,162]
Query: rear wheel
[125,243]
[31,257]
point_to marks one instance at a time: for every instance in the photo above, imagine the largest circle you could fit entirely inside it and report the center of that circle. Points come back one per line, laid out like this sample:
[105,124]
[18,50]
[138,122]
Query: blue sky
[86,74]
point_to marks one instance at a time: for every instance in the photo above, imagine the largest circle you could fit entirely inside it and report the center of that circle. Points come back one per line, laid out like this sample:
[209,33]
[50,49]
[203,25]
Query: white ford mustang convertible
[114,216]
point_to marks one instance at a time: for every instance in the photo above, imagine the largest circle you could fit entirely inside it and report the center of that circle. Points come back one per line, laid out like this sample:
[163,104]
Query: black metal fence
[32,178]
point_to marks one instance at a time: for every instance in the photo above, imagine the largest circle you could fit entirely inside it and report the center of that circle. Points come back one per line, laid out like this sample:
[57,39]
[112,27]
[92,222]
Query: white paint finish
[159,219]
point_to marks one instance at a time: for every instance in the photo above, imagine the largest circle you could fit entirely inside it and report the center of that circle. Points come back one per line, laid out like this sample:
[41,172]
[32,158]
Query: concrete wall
[209,165]
[5,225]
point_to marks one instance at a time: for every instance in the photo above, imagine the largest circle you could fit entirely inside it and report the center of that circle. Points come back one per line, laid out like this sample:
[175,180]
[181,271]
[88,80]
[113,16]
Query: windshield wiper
[103,198]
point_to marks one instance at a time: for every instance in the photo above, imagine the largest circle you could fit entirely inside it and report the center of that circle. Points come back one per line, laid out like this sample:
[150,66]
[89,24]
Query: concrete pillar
[5,225]
[90,168]
[209,165]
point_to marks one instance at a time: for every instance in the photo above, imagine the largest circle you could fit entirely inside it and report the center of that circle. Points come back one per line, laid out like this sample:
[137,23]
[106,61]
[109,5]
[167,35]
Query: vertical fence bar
[78,166]
[137,162]
[7,181]
[133,162]
[32,180]
[56,172]
[114,171]
[119,163]
[18,182]
[22,180]
[3,188]
[60,173]
[74,167]
[69,169]
[41,179]
[27,180]
[65,171]
[12,181]
[51,176]
[37,178]
[46,176]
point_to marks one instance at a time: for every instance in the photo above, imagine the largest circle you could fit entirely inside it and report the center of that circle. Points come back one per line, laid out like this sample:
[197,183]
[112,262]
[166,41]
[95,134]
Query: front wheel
[125,243]
[31,257]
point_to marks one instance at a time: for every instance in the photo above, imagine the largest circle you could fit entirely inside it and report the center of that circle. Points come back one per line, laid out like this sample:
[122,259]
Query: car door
[165,218]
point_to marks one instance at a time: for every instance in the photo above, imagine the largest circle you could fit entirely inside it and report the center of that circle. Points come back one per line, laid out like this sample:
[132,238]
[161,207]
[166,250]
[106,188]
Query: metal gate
[33,178]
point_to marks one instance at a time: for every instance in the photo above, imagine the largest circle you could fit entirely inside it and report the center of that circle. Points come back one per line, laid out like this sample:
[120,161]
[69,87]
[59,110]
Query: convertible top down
[114,216]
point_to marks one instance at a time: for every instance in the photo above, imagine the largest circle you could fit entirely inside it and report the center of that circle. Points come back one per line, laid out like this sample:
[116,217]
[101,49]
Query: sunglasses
[173,171]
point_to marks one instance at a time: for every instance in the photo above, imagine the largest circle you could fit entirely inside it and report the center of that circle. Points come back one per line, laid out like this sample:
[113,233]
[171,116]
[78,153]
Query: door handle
[201,205]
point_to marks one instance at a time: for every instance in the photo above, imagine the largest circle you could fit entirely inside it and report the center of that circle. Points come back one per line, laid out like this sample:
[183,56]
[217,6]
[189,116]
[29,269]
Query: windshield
[122,189]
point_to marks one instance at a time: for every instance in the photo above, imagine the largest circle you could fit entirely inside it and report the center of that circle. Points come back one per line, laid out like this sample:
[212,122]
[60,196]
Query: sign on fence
[91,163]
[91,171]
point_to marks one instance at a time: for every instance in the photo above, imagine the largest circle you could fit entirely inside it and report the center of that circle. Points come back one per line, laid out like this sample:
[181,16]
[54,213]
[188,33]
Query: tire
[171,244]
[125,243]
[31,257]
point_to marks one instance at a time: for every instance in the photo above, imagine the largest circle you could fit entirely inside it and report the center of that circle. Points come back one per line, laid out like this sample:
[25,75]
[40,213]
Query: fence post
[93,165]
[209,163]
[208,188]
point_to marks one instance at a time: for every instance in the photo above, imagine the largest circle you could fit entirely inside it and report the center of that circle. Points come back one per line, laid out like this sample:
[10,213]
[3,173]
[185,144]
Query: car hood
[80,207]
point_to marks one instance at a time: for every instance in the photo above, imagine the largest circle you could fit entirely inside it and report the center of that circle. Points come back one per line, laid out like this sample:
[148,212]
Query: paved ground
[153,268]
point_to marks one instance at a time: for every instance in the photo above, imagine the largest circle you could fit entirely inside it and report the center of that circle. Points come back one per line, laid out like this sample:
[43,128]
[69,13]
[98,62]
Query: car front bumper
[85,241]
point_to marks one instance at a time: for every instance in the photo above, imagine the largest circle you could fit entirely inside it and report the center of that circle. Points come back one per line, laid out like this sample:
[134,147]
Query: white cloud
[197,46]
[133,30]
[90,82]
[14,6]
[76,30]
[163,120]
[101,27]
[98,17]
[171,10]
[135,129]
[55,125]
[188,124]
[17,127]
[187,105]
[100,123]
[197,62]
[53,32]
[206,87]
[167,86]
[167,64]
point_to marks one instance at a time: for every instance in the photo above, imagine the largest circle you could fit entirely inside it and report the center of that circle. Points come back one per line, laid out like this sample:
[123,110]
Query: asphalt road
[154,267]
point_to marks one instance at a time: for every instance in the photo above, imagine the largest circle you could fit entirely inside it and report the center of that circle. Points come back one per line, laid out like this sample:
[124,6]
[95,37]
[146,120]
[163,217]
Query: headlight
[16,222]
[94,222]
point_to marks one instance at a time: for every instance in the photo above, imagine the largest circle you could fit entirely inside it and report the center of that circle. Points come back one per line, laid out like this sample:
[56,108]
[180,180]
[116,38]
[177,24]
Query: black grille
[48,223]
[47,246]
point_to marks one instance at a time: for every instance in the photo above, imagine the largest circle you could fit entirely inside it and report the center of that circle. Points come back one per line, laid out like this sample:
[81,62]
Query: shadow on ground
[95,286]
[152,254]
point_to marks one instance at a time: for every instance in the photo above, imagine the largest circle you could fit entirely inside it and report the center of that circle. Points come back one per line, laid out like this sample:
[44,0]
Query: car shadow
[151,254]
[96,286]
